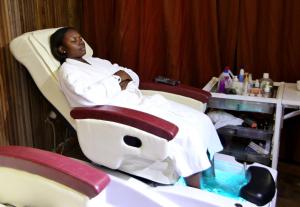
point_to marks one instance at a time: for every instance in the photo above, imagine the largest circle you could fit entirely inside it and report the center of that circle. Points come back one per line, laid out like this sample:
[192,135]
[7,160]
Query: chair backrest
[32,49]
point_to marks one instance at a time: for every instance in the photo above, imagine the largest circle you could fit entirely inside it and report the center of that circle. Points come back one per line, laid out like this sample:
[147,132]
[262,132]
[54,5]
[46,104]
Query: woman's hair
[56,40]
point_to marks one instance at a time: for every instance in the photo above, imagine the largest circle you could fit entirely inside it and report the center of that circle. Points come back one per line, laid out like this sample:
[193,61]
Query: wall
[23,110]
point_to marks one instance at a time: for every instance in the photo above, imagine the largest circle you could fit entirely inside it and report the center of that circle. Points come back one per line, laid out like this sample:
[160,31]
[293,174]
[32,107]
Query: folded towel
[222,118]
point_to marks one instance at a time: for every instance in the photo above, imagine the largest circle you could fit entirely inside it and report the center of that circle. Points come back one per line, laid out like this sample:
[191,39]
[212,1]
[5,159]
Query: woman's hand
[125,78]
[123,75]
[124,84]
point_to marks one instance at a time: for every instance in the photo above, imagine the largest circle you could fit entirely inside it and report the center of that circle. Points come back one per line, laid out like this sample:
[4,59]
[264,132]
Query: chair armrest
[74,174]
[180,89]
[130,117]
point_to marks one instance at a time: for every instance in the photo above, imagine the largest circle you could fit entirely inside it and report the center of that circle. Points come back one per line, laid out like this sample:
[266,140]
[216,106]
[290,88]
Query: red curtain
[193,40]
[268,38]
[175,38]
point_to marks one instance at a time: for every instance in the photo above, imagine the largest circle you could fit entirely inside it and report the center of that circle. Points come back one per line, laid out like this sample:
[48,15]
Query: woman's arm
[124,78]
[116,68]
[135,78]
[80,88]
[123,75]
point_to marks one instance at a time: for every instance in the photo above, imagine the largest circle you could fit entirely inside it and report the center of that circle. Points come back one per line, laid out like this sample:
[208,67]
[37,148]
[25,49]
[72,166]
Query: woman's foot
[193,180]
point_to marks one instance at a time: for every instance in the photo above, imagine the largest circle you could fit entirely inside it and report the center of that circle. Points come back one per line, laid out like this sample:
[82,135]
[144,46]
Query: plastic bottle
[241,75]
[221,86]
[264,81]
[236,85]
[267,90]
[225,81]
[246,85]
[256,85]
[228,82]
[229,71]
[250,81]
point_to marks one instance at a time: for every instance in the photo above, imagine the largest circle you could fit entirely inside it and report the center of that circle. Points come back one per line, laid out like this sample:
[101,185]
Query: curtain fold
[228,12]
[194,40]
[269,38]
[174,38]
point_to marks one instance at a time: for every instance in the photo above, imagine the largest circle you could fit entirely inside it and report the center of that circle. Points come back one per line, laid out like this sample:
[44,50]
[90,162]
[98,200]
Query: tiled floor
[288,185]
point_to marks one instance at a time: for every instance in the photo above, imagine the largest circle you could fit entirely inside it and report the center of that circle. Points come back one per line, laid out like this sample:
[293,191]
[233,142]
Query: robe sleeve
[132,74]
[116,67]
[96,93]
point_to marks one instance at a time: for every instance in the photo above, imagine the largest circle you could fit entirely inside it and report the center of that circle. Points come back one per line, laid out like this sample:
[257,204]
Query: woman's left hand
[123,75]
[124,84]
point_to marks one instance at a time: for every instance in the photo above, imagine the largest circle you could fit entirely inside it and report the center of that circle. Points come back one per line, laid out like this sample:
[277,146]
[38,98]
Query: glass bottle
[267,90]
[246,85]
[241,75]
[266,83]
[236,85]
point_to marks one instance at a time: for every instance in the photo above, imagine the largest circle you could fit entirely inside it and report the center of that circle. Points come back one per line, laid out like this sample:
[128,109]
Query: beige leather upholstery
[32,49]
[101,141]
[195,104]
[31,177]
[22,187]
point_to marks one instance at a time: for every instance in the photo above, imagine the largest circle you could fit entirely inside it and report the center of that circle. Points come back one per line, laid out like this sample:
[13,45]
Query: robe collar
[70,60]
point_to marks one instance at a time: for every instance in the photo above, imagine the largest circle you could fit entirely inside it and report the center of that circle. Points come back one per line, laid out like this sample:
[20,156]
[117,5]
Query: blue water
[227,181]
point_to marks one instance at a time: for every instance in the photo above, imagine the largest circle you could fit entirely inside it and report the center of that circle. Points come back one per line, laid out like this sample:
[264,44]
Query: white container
[225,82]
[298,85]
[241,75]
[236,85]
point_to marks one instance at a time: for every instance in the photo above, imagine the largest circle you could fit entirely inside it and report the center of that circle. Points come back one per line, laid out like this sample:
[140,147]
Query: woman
[88,81]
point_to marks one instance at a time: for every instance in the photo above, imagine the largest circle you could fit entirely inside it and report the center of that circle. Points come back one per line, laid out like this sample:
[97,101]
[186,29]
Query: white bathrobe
[94,84]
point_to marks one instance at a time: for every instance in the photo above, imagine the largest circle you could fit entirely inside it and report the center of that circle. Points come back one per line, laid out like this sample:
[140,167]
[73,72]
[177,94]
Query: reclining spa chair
[108,135]
[34,177]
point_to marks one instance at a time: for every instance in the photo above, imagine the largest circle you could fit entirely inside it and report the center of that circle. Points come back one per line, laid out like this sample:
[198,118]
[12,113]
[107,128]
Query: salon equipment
[58,181]
[111,148]
[284,96]
[238,137]
[33,177]
[104,132]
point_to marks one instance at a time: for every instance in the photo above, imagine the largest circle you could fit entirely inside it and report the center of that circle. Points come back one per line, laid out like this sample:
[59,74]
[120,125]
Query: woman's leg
[193,180]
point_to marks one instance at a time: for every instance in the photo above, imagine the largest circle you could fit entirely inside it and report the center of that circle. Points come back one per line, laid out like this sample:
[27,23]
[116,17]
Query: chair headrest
[32,49]
[40,42]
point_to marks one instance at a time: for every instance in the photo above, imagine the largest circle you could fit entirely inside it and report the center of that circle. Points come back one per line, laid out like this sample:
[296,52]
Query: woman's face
[73,45]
